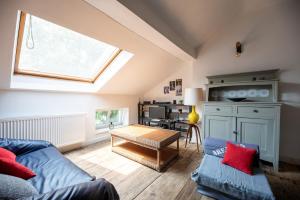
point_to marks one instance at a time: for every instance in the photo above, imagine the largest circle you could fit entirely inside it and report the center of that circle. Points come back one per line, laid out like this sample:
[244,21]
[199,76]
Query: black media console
[166,115]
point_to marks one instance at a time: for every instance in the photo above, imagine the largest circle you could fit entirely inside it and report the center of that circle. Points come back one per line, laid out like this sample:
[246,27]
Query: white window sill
[102,130]
[106,130]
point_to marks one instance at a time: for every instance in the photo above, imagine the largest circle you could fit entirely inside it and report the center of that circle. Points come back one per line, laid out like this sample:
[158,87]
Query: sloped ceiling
[195,21]
[190,22]
[149,65]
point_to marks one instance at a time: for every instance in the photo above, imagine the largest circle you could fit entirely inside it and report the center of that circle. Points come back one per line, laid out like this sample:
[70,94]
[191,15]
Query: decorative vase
[193,117]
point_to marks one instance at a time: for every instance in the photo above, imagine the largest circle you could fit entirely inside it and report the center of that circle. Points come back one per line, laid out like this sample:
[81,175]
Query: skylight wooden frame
[19,71]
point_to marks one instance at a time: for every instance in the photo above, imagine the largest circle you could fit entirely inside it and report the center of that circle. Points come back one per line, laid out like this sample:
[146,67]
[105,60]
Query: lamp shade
[192,96]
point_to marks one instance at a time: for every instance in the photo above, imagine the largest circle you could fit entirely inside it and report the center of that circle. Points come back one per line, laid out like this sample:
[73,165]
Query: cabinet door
[257,131]
[220,127]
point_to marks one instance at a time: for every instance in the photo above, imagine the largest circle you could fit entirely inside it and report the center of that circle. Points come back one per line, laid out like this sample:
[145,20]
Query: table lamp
[192,96]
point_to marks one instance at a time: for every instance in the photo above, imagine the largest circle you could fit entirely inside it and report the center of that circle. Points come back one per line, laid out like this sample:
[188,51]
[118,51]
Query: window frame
[106,126]
[18,71]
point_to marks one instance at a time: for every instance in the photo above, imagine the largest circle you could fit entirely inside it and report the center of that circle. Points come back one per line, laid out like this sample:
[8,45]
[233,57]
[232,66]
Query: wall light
[238,47]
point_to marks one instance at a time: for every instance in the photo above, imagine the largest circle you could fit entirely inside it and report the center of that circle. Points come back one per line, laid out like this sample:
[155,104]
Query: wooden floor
[135,181]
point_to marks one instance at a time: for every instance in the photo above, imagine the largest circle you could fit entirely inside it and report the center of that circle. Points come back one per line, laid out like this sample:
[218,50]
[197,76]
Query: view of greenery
[114,116]
[103,118]
[61,51]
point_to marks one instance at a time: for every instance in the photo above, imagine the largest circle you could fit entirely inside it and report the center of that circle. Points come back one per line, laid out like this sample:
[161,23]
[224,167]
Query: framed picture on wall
[178,87]
[172,85]
[166,90]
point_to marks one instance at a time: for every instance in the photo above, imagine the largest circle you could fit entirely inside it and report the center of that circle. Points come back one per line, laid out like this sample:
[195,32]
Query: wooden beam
[20,39]
[49,75]
[106,65]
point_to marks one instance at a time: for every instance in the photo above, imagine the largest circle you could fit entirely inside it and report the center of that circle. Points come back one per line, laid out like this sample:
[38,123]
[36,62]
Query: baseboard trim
[70,147]
[290,160]
[77,145]
[101,138]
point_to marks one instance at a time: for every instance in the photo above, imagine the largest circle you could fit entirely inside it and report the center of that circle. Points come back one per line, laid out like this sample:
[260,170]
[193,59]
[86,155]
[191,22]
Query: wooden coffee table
[146,145]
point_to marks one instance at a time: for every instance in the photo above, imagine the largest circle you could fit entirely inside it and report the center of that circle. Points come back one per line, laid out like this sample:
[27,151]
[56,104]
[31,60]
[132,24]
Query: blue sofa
[56,176]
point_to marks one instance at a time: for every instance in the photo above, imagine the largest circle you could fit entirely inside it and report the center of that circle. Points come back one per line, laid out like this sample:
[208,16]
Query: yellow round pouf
[193,117]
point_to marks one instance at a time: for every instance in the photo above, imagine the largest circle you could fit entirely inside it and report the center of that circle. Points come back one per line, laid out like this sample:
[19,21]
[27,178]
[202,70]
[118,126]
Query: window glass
[50,49]
[105,117]
[114,116]
[101,119]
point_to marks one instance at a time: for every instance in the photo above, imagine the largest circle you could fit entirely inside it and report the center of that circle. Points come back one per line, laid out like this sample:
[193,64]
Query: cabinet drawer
[256,111]
[218,109]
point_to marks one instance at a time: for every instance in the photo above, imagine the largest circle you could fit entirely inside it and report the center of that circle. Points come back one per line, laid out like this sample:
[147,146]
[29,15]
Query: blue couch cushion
[12,187]
[20,147]
[215,175]
[53,170]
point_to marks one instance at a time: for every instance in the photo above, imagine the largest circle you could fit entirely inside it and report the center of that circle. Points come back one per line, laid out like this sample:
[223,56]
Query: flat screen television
[157,112]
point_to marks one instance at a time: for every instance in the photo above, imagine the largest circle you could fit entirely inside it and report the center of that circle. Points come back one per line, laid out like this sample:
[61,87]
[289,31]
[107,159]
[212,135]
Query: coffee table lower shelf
[146,156]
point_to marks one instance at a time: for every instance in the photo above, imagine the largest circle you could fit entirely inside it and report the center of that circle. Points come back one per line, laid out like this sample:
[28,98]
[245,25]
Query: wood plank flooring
[135,181]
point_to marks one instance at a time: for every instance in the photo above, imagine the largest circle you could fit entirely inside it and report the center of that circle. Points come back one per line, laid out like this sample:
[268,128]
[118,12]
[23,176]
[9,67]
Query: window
[48,50]
[105,117]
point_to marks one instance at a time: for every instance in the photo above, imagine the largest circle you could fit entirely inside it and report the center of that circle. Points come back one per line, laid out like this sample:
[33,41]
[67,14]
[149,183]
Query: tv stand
[163,123]
[176,116]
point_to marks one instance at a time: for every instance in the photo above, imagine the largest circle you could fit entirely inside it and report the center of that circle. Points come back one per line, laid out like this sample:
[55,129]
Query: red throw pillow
[7,154]
[13,168]
[8,165]
[239,157]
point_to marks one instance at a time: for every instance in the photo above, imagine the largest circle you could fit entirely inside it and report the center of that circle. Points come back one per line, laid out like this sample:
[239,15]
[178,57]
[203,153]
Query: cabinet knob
[218,109]
[256,111]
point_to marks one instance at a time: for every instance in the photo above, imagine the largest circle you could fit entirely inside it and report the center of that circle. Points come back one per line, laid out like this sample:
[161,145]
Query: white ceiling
[194,21]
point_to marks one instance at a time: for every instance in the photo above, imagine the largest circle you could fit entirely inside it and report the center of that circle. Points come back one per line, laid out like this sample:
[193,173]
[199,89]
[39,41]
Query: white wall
[27,103]
[157,92]
[271,40]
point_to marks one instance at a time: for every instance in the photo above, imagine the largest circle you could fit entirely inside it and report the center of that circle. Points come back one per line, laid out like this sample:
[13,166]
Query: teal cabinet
[245,122]
[260,132]
[220,127]
[243,108]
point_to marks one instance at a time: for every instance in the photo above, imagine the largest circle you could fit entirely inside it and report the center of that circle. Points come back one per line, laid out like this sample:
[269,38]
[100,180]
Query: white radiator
[60,130]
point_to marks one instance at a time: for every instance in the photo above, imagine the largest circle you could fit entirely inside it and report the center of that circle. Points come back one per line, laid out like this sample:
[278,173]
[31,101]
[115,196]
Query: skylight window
[48,50]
